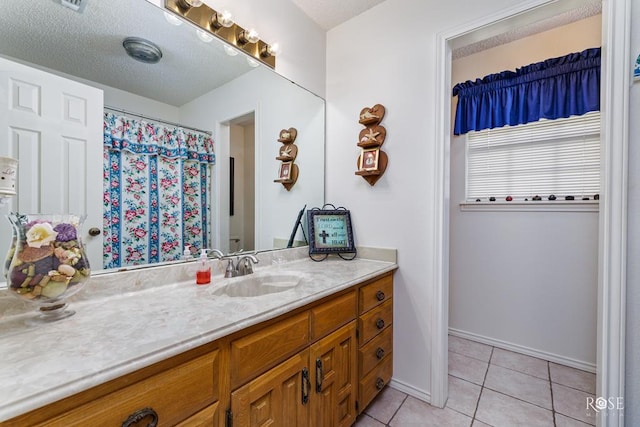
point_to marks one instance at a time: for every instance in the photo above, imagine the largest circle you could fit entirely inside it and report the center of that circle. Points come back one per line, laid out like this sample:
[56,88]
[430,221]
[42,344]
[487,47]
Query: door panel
[53,126]
[333,403]
[274,398]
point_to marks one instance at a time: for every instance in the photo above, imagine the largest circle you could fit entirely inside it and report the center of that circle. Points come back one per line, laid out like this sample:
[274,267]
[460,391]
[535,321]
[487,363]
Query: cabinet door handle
[305,386]
[319,375]
[139,415]
[380,353]
[380,295]
[379,383]
[380,323]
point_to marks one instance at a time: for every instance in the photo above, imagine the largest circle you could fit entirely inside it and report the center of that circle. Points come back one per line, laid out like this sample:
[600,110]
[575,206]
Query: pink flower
[130,215]
[140,165]
[167,246]
[195,230]
[139,233]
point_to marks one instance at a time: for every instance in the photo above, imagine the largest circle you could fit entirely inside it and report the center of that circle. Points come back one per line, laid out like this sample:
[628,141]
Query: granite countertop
[126,321]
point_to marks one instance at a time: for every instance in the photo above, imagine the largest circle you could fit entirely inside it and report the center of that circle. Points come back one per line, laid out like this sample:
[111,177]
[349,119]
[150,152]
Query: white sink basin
[255,285]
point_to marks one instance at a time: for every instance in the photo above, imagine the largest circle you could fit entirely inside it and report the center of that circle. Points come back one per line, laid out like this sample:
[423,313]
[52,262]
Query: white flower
[41,235]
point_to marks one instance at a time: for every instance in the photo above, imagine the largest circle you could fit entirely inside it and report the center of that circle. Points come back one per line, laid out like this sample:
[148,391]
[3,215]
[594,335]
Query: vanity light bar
[236,35]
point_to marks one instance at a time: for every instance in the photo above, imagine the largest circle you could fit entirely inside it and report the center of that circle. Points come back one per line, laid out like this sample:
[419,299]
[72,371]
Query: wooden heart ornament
[288,135]
[372,136]
[371,115]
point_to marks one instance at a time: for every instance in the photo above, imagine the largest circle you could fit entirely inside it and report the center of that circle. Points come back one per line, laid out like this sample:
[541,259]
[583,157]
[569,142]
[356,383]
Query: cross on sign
[324,236]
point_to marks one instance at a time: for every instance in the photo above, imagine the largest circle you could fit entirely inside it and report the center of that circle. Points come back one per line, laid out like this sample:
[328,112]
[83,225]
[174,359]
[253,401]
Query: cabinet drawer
[174,395]
[375,293]
[331,315]
[375,381]
[376,350]
[208,417]
[257,352]
[374,321]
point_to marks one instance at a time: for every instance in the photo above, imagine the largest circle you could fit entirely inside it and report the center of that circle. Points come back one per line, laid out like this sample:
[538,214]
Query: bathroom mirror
[196,83]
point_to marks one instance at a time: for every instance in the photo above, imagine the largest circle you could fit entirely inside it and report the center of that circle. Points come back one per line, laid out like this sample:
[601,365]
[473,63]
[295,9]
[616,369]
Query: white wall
[632,377]
[387,55]
[301,40]
[524,279]
[278,105]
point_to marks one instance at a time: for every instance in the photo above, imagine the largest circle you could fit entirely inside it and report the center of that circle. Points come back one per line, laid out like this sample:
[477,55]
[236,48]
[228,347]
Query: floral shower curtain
[156,181]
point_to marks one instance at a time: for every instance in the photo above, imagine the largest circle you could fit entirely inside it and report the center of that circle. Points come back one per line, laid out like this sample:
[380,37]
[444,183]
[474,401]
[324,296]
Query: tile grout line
[553,406]
[406,396]
[482,386]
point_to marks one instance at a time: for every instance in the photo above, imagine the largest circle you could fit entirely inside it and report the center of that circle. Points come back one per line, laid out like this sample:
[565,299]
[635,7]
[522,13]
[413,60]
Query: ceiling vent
[75,5]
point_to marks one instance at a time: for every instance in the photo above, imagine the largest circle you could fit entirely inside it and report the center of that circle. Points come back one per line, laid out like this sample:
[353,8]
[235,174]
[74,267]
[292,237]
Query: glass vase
[47,262]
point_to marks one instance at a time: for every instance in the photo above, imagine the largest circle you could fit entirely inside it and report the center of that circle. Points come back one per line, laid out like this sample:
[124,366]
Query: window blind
[559,157]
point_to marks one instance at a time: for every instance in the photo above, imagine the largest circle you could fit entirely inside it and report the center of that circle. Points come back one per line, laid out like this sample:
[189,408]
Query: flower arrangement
[47,260]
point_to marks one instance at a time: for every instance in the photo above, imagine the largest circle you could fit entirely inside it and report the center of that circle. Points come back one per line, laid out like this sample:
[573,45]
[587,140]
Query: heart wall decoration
[372,161]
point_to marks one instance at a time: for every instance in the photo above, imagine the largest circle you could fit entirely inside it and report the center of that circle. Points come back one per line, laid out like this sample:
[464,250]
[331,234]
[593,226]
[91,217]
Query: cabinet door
[277,397]
[334,378]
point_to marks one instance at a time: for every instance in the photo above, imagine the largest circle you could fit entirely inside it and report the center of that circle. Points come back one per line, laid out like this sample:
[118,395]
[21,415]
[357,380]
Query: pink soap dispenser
[203,275]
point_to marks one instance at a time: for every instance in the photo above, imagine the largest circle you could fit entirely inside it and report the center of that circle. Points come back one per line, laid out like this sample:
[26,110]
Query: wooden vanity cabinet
[315,366]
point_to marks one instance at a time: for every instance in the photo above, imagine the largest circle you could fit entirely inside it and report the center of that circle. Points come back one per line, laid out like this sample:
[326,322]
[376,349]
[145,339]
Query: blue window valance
[555,88]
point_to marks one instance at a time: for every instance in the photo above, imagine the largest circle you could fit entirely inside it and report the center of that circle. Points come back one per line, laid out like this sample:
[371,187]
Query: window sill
[532,206]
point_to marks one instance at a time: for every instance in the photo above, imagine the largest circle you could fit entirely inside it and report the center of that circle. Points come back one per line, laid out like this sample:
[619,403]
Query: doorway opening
[611,230]
[242,155]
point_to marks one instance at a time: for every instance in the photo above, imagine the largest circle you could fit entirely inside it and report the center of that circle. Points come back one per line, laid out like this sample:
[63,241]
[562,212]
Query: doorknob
[94,231]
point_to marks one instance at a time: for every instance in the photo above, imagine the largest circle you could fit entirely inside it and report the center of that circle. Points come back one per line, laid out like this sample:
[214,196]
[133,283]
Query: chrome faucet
[216,253]
[243,266]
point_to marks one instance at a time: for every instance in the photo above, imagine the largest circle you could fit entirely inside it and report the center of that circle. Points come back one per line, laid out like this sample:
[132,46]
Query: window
[559,157]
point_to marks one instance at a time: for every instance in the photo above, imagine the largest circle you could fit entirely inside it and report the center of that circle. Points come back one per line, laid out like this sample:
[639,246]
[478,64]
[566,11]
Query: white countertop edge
[44,398]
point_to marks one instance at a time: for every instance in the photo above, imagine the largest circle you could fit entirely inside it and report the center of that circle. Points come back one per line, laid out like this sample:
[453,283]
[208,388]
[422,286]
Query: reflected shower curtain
[156,181]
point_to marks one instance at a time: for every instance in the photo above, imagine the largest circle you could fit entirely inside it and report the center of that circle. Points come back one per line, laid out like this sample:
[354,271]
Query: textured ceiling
[89,45]
[330,13]
[518,27]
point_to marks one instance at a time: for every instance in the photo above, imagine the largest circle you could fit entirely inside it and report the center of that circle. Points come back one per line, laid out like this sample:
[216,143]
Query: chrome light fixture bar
[220,25]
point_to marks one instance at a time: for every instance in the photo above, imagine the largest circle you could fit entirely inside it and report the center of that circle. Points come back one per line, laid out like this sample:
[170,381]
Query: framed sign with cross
[330,232]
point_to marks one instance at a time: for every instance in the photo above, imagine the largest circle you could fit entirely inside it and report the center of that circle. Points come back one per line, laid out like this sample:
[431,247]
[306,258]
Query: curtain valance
[142,137]
[551,89]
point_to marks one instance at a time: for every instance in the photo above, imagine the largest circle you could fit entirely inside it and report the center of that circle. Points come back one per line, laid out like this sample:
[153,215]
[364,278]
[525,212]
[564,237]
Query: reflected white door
[53,126]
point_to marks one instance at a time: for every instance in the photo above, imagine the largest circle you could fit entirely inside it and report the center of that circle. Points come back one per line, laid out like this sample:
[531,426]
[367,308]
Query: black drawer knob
[380,353]
[379,383]
[380,295]
[380,323]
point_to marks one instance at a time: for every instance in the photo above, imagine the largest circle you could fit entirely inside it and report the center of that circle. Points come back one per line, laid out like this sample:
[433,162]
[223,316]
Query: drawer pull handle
[319,375]
[379,383]
[380,353]
[380,323]
[305,386]
[141,414]
[380,295]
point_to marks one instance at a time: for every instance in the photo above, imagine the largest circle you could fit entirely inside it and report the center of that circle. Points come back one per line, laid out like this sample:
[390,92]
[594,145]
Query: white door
[53,126]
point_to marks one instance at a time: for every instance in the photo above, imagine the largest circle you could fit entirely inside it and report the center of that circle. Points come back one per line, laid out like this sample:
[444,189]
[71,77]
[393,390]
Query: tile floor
[489,386]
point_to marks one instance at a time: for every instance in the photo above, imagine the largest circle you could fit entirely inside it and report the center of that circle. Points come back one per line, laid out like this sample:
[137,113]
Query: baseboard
[567,361]
[410,390]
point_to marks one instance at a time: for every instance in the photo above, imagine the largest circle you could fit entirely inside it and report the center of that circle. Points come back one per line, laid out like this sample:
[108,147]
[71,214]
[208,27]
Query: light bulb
[188,4]
[172,19]
[253,36]
[270,50]
[252,62]
[248,36]
[231,51]
[225,18]
[204,36]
